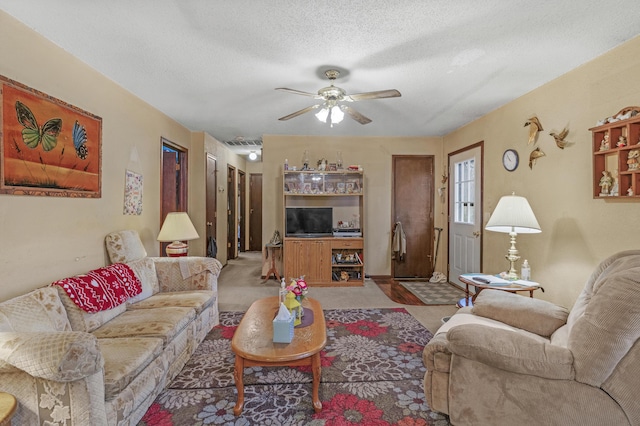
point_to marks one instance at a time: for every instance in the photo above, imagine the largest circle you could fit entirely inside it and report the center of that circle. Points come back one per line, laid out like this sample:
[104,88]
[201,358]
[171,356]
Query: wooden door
[241,208]
[412,205]
[211,203]
[232,229]
[255,212]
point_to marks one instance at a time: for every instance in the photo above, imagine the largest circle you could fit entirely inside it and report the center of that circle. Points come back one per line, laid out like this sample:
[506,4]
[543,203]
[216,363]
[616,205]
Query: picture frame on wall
[47,146]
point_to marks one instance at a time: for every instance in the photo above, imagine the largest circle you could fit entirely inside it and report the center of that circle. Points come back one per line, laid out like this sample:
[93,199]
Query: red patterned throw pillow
[102,288]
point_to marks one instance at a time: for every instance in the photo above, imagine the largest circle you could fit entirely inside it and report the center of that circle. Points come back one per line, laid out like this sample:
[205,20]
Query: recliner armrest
[534,315]
[511,351]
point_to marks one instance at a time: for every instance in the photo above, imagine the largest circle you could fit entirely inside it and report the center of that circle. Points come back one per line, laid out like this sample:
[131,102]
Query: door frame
[211,189]
[232,230]
[450,198]
[181,194]
[241,210]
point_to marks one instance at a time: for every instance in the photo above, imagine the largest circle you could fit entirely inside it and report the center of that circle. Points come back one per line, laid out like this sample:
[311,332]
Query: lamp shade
[513,214]
[177,227]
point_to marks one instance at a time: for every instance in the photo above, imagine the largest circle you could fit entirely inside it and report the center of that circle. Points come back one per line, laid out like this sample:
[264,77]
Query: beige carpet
[240,284]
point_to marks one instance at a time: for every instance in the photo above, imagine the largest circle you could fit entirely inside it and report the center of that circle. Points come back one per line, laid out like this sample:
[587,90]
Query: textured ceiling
[213,65]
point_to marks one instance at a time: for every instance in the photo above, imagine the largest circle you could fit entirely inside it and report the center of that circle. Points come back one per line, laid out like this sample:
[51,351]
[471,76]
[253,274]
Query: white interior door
[465,209]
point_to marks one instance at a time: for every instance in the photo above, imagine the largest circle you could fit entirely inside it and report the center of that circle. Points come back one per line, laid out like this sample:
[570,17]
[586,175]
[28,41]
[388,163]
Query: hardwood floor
[396,292]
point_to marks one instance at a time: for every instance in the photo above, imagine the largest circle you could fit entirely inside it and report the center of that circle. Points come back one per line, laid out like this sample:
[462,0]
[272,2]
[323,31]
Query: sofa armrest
[63,356]
[511,351]
[187,273]
[534,315]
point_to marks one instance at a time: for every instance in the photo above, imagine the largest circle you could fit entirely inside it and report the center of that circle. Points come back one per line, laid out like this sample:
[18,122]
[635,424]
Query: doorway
[211,205]
[255,212]
[465,211]
[412,205]
[242,197]
[232,230]
[173,188]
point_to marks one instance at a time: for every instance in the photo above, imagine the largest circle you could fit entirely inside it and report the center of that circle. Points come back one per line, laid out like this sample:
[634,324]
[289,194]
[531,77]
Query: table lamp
[177,227]
[513,215]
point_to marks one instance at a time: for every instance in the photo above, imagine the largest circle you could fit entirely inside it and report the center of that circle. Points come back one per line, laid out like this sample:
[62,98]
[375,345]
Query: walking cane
[435,258]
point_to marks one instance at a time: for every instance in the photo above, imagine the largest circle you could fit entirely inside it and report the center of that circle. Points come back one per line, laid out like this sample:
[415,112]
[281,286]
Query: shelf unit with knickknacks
[327,260]
[616,149]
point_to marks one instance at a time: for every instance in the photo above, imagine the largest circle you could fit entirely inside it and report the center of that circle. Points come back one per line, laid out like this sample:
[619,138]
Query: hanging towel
[399,247]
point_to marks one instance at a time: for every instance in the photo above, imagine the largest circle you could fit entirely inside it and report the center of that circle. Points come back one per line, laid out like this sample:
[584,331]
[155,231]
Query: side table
[272,249]
[512,288]
[8,405]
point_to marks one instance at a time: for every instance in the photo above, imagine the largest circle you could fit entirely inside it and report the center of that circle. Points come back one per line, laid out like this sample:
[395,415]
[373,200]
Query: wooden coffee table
[253,345]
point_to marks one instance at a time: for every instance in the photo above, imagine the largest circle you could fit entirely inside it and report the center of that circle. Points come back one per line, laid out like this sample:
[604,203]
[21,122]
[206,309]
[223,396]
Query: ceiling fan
[331,108]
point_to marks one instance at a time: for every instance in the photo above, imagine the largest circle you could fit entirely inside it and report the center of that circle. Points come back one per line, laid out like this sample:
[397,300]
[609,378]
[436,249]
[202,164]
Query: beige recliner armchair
[513,360]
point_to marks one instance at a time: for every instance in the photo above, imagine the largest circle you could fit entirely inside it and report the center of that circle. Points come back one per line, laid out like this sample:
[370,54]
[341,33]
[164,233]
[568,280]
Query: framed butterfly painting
[48,147]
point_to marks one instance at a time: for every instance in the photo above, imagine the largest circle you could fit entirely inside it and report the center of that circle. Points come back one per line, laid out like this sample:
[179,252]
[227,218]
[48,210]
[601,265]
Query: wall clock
[510,159]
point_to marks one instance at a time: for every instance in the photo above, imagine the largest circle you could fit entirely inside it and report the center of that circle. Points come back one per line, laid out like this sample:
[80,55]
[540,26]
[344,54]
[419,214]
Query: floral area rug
[372,374]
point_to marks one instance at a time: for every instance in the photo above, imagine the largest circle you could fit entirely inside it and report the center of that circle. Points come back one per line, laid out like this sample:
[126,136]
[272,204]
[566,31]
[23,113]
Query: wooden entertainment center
[336,259]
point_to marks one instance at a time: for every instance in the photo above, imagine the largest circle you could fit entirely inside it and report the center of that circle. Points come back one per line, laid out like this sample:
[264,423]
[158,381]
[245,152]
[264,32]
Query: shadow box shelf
[616,149]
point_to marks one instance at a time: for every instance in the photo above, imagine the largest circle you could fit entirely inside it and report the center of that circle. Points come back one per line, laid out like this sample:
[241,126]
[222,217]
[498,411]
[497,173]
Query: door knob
[476,234]
[209,223]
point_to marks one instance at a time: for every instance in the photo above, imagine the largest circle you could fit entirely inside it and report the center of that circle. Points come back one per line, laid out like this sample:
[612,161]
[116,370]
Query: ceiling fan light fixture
[330,110]
[336,115]
[323,114]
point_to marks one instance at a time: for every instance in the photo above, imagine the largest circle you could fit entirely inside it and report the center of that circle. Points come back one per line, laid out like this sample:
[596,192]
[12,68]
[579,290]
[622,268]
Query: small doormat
[434,293]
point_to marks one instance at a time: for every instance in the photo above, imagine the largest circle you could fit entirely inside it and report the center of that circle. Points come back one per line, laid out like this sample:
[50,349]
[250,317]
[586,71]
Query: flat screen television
[309,222]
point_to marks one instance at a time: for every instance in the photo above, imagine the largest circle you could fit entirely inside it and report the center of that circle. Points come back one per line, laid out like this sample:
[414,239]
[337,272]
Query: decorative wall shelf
[616,149]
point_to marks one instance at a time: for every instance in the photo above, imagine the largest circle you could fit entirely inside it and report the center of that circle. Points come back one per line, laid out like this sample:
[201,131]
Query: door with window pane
[465,212]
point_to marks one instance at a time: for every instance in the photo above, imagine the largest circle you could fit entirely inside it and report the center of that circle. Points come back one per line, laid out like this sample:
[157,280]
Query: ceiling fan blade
[392,93]
[299,92]
[297,113]
[355,115]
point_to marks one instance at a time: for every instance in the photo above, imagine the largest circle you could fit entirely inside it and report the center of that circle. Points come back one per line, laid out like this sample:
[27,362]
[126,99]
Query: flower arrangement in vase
[299,288]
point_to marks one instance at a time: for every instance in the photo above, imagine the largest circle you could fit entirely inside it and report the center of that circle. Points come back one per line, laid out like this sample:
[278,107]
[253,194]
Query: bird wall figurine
[559,138]
[535,154]
[534,128]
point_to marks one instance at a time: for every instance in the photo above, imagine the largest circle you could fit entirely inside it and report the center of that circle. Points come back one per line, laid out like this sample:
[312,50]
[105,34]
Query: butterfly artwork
[80,140]
[32,134]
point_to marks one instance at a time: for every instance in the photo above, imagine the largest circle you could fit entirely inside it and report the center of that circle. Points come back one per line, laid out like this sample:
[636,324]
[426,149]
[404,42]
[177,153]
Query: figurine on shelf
[632,159]
[305,160]
[322,164]
[605,182]
[630,192]
[604,144]
[622,141]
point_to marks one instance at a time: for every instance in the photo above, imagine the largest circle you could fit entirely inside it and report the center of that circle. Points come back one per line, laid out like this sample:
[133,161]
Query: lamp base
[177,249]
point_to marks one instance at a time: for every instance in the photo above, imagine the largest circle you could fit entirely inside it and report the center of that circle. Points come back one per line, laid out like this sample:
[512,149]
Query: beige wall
[577,231]
[47,238]
[374,155]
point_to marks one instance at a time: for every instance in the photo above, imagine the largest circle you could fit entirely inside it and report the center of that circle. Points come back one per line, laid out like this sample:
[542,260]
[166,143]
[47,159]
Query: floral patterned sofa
[67,366]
